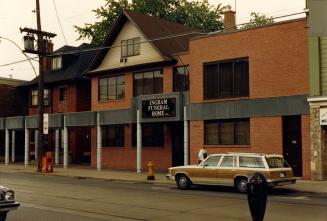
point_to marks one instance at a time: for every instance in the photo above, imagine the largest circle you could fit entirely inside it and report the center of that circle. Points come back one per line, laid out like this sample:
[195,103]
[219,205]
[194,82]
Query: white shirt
[202,152]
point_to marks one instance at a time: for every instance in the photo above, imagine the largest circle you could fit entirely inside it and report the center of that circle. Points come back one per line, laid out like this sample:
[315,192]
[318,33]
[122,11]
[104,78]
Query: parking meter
[257,196]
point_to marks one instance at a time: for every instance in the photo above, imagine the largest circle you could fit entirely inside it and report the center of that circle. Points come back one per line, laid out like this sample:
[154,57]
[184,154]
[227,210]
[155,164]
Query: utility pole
[42,52]
[41,86]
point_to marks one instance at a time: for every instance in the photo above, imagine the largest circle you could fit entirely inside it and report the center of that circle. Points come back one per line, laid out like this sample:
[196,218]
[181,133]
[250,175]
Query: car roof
[248,154]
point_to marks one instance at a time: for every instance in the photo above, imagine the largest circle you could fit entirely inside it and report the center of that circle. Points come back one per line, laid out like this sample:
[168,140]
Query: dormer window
[130,47]
[56,63]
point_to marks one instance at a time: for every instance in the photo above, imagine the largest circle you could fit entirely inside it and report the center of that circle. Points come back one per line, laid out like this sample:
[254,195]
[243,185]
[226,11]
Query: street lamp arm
[28,58]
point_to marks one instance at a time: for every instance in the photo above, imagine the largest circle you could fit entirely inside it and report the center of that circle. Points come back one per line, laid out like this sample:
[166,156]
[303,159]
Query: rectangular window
[226,79]
[152,135]
[56,63]
[180,79]
[150,82]
[34,97]
[112,88]
[227,132]
[63,93]
[113,136]
[130,47]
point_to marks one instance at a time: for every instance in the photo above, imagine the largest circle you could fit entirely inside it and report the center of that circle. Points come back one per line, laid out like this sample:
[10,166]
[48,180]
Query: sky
[19,13]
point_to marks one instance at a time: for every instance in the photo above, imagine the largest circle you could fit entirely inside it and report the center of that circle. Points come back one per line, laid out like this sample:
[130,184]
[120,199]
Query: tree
[197,14]
[258,20]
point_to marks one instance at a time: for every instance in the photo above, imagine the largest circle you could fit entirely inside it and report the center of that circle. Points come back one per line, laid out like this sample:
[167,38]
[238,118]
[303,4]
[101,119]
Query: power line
[62,30]
[145,41]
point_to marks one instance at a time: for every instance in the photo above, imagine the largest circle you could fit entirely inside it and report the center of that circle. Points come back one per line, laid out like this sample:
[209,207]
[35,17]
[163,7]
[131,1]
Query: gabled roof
[167,37]
[79,62]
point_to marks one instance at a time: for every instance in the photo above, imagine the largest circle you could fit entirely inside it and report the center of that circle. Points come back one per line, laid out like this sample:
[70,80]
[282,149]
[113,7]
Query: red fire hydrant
[150,166]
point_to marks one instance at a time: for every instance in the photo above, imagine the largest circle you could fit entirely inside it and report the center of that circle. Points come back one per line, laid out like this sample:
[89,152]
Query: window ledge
[228,146]
[112,101]
[225,99]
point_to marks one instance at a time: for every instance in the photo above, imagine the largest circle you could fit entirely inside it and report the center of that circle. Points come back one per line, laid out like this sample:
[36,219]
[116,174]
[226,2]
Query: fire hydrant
[150,170]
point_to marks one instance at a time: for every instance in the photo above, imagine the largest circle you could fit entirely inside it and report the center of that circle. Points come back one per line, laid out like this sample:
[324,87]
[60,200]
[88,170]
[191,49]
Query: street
[53,198]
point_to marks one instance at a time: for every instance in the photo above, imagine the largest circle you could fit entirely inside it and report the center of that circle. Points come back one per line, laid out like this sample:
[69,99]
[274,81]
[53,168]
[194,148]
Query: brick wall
[278,59]
[13,101]
[265,137]
[125,157]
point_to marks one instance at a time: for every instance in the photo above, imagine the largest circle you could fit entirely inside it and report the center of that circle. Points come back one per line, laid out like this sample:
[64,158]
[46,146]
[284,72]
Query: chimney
[49,50]
[229,19]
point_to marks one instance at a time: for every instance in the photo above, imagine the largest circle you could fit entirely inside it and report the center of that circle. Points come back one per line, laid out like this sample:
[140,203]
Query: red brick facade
[278,67]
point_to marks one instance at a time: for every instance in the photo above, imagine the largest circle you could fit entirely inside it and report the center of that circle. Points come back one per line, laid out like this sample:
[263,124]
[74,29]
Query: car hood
[184,167]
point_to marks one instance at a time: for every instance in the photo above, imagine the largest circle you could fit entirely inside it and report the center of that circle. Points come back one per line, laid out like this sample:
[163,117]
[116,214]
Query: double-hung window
[227,132]
[180,79]
[112,88]
[35,98]
[130,47]
[56,63]
[226,79]
[150,82]
[113,135]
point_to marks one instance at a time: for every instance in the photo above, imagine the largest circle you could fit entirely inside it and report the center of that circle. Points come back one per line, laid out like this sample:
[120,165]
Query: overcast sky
[18,13]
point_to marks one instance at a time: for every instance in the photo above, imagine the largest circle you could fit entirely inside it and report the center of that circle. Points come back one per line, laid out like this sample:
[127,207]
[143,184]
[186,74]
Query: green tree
[197,14]
[258,20]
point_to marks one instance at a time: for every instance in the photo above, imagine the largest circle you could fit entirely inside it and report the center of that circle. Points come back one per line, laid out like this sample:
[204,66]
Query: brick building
[66,91]
[13,102]
[239,90]
[159,90]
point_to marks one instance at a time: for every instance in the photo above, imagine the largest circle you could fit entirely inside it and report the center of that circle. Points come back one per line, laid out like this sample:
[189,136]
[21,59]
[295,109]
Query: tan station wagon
[233,169]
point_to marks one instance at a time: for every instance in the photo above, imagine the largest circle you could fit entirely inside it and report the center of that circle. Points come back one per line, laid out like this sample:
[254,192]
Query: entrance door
[177,130]
[292,144]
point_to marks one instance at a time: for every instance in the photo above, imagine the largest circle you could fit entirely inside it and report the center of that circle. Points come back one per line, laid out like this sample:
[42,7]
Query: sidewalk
[84,172]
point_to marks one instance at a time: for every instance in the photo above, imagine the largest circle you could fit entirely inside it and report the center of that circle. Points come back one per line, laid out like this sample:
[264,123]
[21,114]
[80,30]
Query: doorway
[292,143]
[177,130]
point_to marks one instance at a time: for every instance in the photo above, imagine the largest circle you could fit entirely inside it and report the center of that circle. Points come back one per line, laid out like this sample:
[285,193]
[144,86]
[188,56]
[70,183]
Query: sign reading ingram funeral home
[163,107]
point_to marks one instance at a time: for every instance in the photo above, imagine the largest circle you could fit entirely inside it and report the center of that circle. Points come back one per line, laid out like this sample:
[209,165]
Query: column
[7,147]
[26,155]
[36,145]
[138,143]
[99,143]
[65,143]
[57,147]
[13,145]
[186,144]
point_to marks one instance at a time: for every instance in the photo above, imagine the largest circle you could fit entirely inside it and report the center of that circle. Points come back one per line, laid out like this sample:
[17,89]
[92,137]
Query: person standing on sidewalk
[202,154]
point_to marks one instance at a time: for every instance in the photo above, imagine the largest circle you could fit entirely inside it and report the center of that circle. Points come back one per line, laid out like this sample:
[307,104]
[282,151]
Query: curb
[153,182]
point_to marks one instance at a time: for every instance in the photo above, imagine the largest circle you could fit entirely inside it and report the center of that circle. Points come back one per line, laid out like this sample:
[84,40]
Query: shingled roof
[82,57]
[168,37]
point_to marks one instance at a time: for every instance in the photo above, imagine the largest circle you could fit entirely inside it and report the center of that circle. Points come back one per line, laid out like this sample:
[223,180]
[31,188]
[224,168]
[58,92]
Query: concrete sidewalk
[84,172]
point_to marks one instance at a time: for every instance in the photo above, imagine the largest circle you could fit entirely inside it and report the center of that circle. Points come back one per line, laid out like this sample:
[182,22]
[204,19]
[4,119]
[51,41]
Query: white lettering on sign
[164,107]
[158,107]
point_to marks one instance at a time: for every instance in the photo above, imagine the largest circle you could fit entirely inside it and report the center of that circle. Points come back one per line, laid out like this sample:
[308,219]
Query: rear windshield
[277,162]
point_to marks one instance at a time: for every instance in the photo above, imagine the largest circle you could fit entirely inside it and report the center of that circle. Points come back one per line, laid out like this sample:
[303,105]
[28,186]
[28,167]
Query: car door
[206,172]
[227,170]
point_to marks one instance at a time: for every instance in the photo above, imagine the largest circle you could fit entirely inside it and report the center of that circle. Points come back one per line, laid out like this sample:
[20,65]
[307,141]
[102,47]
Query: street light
[28,58]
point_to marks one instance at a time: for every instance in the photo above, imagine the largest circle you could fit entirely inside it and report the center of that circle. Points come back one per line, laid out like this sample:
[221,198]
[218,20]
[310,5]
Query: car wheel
[241,184]
[183,182]
[3,216]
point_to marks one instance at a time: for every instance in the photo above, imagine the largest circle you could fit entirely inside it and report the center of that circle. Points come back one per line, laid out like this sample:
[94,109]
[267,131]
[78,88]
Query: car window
[251,162]
[277,162]
[228,161]
[212,161]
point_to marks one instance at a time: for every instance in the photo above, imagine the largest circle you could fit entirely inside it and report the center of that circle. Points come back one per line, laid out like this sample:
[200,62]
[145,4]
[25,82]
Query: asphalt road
[51,198]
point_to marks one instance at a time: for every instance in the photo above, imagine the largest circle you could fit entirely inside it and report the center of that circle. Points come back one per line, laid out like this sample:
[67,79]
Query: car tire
[241,184]
[3,216]
[183,182]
